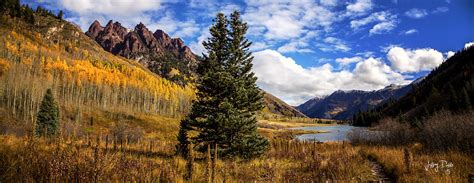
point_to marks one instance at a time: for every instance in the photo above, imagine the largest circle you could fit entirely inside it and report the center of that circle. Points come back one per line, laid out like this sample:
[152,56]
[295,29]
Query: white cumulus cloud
[406,60]
[283,77]
[360,6]
[373,73]
[382,27]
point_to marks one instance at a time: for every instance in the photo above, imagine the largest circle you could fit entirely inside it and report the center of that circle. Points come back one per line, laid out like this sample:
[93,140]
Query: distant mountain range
[342,105]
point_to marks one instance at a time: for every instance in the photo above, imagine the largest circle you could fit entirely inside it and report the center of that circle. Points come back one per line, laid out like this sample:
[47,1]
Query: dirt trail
[378,172]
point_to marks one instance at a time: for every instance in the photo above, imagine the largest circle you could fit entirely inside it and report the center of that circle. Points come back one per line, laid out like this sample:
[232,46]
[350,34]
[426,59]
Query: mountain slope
[168,57]
[343,104]
[448,87]
[276,106]
[53,53]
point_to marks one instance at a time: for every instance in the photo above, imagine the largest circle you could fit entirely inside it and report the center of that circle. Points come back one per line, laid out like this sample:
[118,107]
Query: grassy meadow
[109,153]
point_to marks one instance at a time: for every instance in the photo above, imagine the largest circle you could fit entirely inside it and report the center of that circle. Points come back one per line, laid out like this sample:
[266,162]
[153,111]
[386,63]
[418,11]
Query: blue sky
[308,48]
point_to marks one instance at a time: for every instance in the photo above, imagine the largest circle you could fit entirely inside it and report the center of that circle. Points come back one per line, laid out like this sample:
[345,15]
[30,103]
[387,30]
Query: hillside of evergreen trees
[448,87]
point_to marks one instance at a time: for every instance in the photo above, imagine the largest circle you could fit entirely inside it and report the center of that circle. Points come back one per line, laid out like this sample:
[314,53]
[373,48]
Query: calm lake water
[335,133]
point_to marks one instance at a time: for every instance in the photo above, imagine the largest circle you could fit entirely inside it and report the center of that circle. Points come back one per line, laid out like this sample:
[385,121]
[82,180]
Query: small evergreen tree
[228,97]
[60,14]
[183,139]
[47,122]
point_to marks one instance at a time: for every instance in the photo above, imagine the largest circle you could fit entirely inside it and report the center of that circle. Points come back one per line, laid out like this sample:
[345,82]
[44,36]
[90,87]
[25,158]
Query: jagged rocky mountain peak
[155,50]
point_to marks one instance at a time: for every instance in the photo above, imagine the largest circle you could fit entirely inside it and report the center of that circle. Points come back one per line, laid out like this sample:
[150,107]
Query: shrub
[387,132]
[122,131]
[444,131]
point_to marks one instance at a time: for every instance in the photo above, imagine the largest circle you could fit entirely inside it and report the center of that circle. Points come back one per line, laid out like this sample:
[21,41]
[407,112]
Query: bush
[444,131]
[122,131]
[387,132]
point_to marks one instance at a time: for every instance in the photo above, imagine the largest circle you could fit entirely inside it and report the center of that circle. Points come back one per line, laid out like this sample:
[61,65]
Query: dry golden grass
[24,159]
[393,160]
[87,158]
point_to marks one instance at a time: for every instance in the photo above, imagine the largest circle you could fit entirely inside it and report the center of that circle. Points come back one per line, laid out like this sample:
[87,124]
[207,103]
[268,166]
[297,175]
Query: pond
[334,133]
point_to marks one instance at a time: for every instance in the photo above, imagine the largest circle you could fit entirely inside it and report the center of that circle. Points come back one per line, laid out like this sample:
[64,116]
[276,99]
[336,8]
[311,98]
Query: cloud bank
[283,77]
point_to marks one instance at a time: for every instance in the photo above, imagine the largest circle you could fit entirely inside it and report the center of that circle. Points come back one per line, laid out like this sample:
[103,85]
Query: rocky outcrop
[157,51]
[110,37]
[94,29]
[147,37]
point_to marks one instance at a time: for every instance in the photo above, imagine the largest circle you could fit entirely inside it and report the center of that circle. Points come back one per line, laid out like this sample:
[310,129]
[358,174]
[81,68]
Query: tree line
[14,8]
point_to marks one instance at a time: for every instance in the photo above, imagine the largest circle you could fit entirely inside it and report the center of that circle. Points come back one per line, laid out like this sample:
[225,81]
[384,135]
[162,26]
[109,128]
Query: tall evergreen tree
[247,97]
[47,123]
[228,97]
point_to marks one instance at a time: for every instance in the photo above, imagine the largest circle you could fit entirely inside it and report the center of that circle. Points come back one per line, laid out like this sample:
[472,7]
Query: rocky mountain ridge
[166,56]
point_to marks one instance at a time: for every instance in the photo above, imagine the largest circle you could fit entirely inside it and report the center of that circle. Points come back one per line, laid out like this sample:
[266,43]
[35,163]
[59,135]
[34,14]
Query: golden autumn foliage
[4,66]
[81,77]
